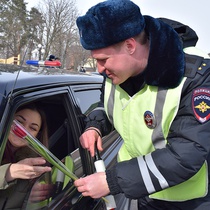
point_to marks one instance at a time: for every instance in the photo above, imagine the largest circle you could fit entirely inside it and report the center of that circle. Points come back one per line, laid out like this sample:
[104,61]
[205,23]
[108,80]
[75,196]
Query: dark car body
[66,99]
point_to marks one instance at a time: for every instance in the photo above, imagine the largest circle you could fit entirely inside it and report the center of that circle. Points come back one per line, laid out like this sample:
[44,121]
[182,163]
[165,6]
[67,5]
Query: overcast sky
[190,12]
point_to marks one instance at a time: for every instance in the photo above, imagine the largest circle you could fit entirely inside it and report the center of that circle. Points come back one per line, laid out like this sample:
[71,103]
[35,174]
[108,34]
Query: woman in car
[20,165]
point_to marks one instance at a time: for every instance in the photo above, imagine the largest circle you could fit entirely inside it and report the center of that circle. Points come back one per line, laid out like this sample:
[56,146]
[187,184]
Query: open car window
[65,124]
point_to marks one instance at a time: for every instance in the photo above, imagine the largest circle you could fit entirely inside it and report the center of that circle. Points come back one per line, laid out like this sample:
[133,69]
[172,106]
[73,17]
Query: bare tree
[80,57]
[51,24]
[59,17]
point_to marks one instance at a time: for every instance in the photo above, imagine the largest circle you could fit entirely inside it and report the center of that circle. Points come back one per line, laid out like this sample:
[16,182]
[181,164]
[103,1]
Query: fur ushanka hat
[113,21]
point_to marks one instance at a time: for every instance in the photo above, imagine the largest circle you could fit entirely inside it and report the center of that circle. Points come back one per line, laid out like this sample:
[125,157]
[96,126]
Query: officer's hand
[89,185]
[88,139]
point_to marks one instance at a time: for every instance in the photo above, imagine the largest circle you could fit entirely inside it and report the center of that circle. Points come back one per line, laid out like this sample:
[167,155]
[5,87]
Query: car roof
[34,76]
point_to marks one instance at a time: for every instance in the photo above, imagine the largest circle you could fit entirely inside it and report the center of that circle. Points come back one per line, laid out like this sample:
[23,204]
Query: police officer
[158,98]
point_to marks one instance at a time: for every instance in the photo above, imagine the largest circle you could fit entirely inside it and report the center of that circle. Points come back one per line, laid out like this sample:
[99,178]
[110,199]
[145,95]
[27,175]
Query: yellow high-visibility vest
[127,115]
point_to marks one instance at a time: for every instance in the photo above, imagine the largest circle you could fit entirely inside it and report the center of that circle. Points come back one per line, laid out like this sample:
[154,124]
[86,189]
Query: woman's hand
[28,168]
[40,192]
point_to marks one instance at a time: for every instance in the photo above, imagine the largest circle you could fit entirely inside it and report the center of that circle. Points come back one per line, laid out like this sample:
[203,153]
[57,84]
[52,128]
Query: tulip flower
[18,130]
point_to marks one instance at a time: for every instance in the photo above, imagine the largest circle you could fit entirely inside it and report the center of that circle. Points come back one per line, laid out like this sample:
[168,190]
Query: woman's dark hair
[43,132]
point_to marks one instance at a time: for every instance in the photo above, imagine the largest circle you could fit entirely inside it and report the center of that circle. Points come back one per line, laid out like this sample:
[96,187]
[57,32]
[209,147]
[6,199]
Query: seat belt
[57,134]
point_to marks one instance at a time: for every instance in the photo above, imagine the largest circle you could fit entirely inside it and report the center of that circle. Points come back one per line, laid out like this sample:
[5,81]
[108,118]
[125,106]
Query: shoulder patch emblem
[201,104]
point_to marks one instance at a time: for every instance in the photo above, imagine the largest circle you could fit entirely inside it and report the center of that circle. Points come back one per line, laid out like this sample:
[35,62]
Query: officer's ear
[130,45]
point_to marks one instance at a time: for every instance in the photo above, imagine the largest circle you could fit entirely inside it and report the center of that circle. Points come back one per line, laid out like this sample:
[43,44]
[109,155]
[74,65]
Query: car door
[85,98]
[111,143]
[65,124]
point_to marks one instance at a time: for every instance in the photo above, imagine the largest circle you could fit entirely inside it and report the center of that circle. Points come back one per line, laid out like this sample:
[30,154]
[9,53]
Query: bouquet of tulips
[18,130]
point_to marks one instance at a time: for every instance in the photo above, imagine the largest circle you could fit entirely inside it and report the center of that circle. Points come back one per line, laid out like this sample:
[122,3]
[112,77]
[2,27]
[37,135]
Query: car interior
[59,129]
[61,141]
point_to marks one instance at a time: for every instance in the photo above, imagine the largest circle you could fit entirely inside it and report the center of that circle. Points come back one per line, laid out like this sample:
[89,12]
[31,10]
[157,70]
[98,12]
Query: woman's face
[31,120]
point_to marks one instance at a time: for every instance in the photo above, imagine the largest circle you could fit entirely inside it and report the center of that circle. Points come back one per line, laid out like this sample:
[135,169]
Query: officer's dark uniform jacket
[188,140]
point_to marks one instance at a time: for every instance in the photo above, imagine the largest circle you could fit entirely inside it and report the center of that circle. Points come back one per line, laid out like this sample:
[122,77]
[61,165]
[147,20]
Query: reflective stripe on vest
[127,115]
